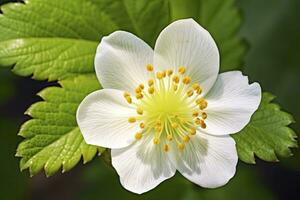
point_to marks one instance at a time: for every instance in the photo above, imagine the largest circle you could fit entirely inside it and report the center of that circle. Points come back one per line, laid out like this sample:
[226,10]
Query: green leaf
[57,39]
[267,135]
[53,139]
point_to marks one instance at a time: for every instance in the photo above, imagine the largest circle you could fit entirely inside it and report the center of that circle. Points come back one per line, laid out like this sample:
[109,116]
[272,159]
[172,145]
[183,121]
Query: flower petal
[231,103]
[186,43]
[209,161]
[103,119]
[142,166]
[121,61]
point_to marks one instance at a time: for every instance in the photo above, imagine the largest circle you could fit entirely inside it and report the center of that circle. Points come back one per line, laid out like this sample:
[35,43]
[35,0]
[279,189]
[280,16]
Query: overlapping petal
[103,119]
[186,43]
[209,161]
[142,166]
[121,60]
[231,103]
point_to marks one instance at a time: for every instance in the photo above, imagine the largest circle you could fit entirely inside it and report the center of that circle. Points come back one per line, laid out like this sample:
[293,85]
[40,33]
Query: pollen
[149,67]
[156,141]
[138,136]
[150,82]
[131,119]
[151,90]
[186,80]
[181,146]
[190,93]
[169,111]
[139,110]
[186,138]
[170,72]
[176,78]
[142,125]
[181,70]
[166,148]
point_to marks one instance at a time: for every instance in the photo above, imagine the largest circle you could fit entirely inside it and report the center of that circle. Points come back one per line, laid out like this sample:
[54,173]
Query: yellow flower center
[168,107]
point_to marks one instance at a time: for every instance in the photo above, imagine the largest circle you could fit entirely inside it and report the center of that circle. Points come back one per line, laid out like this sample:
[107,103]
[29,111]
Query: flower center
[170,108]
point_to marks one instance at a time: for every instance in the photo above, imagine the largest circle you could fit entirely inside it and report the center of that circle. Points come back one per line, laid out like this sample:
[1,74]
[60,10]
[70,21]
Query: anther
[176,78]
[138,90]
[192,131]
[199,90]
[139,110]
[195,113]
[186,138]
[166,148]
[156,141]
[158,122]
[202,124]
[181,70]
[169,137]
[196,86]
[126,94]
[198,121]
[151,90]
[175,87]
[170,72]
[141,86]
[142,125]
[149,67]
[180,146]
[128,99]
[150,82]
[174,125]
[158,129]
[139,95]
[186,80]
[199,101]
[164,73]
[131,119]
[203,105]
[204,115]
[159,75]
[138,136]
[190,93]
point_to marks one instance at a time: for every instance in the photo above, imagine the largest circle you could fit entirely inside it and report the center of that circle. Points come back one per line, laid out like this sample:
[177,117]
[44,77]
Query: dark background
[272,30]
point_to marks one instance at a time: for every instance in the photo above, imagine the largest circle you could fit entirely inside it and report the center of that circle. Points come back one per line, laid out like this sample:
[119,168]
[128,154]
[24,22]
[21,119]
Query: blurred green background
[272,30]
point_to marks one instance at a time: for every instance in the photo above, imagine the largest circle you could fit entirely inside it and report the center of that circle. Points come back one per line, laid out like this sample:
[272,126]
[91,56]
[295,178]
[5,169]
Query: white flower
[167,109]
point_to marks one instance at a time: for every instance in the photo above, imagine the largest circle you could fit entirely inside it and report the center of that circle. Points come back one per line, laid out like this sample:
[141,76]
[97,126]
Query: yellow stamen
[138,136]
[169,137]
[150,82]
[166,148]
[128,99]
[186,80]
[196,86]
[199,90]
[142,125]
[126,94]
[142,86]
[181,70]
[181,146]
[139,110]
[151,90]
[139,95]
[199,101]
[195,113]
[164,73]
[170,72]
[197,121]
[131,119]
[186,138]
[176,78]
[204,115]
[203,105]
[193,131]
[149,67]
[138,90]
[202,124]
[174,125]
[158,129]
[156,141]
[190,93]
[159,75]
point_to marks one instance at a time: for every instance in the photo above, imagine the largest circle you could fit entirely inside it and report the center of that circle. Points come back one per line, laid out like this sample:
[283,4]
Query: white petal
[231,103]
[103,119]
[142,166]
[209,161]
[186,43]
[121,61]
